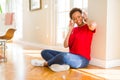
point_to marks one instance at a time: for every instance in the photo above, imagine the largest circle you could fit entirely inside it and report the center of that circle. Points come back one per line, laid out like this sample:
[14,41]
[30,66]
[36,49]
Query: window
[2,6]
[62,10]
[63,7]
[16,7]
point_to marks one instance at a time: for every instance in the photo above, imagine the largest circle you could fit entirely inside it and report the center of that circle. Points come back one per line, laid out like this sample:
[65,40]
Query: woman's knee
[83,64]
[64,57]
[43,52]
[80,64]
[61,58]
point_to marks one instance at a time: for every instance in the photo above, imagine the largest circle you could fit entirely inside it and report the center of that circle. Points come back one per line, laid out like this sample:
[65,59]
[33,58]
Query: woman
[78,40]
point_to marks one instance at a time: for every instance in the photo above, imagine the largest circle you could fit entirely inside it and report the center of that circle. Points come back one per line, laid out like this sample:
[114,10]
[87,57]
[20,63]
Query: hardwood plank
[18,67]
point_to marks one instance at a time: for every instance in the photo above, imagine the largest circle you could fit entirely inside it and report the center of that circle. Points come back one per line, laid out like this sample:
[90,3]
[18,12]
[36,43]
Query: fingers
[85,14]
[71,23]
[93,25]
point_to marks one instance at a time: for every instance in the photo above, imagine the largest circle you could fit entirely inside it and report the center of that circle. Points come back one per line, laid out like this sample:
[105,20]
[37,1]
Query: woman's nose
[77,19]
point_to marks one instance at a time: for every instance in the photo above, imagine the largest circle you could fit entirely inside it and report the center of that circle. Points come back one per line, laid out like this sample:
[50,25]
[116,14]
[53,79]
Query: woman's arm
[71,26]
[91,24]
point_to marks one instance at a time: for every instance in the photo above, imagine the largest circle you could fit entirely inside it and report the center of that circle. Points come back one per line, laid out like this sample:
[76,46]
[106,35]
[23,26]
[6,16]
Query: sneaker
[58,67]
[36,62]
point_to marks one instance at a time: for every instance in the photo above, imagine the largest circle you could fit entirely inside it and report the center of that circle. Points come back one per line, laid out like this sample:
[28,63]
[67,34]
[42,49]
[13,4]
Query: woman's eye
[79,17]
[74,19]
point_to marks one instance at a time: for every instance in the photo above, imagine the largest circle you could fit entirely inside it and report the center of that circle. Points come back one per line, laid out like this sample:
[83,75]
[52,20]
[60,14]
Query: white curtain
[16,7]
[10,5]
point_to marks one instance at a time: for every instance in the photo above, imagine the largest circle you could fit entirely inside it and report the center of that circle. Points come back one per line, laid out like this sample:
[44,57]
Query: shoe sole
[58,68]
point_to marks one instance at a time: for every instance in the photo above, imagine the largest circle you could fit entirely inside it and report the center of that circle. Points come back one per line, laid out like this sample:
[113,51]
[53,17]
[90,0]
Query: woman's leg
[53,57]
[57,57]
[76,61]
[49,54]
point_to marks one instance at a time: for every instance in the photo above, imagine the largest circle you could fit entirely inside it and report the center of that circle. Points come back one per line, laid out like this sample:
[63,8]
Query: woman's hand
[92,25]
[71,25]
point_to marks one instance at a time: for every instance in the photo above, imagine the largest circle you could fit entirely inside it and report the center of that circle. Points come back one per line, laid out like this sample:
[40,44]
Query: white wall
[113,27]
[105,48]
[37,24]
[98,13]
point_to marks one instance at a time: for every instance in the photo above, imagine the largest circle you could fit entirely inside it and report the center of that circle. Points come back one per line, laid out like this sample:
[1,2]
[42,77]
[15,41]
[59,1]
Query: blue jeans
[59,57]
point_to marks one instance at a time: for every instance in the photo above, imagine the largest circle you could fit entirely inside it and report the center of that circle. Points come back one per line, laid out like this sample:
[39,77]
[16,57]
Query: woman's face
[77,18]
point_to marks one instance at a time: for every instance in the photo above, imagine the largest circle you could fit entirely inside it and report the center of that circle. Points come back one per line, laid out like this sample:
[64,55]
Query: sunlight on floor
[32,51]
[19,65]
[109,74]
[17,55]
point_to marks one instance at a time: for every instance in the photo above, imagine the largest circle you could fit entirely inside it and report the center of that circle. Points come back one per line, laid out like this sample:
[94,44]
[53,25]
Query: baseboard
[41,45]
[112,63]
[105,63]
[98,62]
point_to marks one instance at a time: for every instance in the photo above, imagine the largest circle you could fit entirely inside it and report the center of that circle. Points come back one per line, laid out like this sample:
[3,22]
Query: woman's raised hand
[71,25]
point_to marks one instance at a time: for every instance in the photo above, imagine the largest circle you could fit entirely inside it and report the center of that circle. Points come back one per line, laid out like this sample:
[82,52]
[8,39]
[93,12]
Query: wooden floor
[18,67]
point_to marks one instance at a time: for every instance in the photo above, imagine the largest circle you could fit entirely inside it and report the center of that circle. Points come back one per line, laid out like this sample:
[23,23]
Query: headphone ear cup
[85,16]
